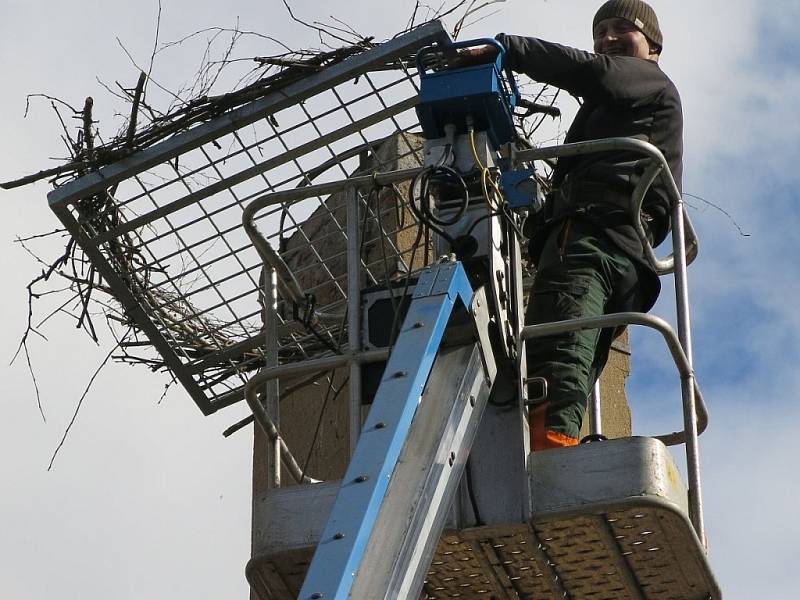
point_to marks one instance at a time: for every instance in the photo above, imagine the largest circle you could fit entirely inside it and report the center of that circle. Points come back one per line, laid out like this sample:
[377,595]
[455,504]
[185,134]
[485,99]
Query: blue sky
[148,501]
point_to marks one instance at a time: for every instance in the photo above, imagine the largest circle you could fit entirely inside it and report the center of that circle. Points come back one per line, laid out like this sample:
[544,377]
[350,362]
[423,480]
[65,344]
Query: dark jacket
[622,97]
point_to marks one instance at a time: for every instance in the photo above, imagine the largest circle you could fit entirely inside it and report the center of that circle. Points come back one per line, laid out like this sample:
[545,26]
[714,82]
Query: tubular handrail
[695,413]
[658,167]
[634,318]
[288,286]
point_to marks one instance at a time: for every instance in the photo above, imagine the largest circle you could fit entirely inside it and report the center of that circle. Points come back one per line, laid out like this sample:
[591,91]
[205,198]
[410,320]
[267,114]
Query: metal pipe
[354,314]
[685,337]
[271,390]
[633,318]
[288,286]
[662,266]
[677,262]
[595,416]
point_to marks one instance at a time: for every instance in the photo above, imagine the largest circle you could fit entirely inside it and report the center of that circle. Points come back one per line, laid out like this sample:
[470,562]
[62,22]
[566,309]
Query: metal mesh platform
[163,225]
[639,553]
[609,523]
[645,552]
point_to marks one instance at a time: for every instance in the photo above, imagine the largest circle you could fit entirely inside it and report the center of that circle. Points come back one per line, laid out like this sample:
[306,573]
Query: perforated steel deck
[646,552]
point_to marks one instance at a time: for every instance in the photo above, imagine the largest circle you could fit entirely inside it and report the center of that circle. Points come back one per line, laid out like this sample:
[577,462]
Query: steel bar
[354,314]
[288,285]
[690,424]
[253,171]
[271,390]
[133,308]
[292,369]
[595,412]
[632,145]
[645,320]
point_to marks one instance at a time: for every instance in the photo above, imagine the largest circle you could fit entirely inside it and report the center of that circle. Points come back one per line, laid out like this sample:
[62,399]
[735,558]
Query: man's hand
[459,59]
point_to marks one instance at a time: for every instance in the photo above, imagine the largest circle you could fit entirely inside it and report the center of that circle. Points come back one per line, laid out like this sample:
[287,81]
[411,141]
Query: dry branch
[194,337]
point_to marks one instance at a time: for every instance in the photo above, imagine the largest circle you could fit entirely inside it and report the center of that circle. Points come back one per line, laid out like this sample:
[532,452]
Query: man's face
[620,37]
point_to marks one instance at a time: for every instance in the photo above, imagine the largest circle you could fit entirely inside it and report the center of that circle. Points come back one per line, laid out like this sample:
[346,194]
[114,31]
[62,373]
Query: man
[588,256]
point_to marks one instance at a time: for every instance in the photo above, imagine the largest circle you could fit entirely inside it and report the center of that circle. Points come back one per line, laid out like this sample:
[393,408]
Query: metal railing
[170,246]
[684,251]
[694,409]
[285,283]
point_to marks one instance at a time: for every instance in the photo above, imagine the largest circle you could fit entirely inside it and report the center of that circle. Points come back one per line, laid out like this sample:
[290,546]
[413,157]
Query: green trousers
[580,273]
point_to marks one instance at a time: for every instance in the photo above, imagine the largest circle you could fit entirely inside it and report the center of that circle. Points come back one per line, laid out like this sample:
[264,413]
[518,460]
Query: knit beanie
[637,12]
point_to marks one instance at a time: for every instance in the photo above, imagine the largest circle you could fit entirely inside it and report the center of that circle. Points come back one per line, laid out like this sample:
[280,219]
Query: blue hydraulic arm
[345,537]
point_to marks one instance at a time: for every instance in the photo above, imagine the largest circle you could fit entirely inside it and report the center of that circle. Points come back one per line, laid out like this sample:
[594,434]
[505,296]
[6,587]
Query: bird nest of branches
[143,124]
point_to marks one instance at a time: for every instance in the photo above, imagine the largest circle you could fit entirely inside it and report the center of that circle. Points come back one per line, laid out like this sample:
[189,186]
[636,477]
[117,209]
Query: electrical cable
[486,174]
[375,193]
[327,399]
[422,206]
[396,318]
[471,492]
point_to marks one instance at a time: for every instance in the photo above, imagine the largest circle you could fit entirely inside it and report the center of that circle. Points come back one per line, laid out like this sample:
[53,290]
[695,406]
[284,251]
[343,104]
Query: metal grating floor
[635,553]
[639,553]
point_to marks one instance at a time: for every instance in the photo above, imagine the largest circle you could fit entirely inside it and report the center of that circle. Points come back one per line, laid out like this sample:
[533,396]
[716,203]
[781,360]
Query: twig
[88,137]
[320,30]
[720,209]
[410,24]
[51,98]
[155,42]
[33,377]
[166,388]
[78,407]
[224,29]
[149,79]
[67,168]
[137,98]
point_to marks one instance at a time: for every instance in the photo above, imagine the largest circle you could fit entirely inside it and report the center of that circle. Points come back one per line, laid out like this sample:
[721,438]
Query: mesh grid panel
[163,226]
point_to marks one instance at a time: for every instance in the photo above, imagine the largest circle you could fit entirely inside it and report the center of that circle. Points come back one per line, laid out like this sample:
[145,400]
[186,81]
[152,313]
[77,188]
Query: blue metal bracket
[345,537]
[487,93]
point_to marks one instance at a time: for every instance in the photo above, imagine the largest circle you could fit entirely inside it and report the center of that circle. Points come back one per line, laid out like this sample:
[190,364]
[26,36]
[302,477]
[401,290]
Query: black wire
[319,419]
[415,245]
[423,210]
[471,492]
[375,192]
[321,338]
[325,402]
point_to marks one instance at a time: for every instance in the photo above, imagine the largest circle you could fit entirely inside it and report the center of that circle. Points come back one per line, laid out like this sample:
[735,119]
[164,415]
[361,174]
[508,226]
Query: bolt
[452,459]
[316,596]
[361,478]
[400,374]
[380,425]
[419,324]
[338,535]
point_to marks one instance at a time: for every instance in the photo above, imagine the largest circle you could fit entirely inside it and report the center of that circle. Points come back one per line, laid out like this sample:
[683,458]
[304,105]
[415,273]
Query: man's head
[627,28]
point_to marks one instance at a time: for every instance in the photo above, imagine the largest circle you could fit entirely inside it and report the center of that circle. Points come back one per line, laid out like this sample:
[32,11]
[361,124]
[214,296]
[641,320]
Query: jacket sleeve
[618,79]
